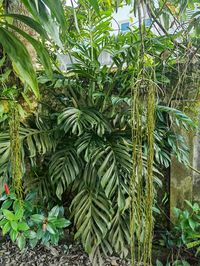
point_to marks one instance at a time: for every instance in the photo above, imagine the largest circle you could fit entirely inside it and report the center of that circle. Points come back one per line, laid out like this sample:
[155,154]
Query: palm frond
[92,216]
[79,120]
[64,168]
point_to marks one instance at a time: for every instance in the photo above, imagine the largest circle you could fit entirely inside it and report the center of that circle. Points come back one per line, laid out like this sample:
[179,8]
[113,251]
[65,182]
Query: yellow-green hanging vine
[141,183]
[15,151]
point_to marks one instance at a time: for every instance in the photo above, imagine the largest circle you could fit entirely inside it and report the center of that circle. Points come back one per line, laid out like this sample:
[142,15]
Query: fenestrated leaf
[119,234]
[110,160]
[20,58]
[77,120]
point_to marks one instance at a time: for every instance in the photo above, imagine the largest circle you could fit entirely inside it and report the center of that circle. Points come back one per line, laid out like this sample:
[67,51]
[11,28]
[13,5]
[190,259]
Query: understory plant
[187,226]
[28,223]
[183,240]
[180,262]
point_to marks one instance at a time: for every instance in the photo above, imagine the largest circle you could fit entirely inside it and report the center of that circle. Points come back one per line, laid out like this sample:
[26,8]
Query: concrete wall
[185,182]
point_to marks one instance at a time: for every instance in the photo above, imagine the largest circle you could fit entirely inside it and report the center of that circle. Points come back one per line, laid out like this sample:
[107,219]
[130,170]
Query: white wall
[126,14]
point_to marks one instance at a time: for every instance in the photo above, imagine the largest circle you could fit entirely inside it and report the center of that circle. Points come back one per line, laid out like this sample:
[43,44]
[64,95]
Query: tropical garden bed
[86,145]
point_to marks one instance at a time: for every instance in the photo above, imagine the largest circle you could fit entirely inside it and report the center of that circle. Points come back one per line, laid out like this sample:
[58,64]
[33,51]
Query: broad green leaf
[50,229]
[14,225]
[58,12]
[21,242]
[40,233]
[32,235]
[61,223]
[158,263]
[9,215]
[3,222]
[192,223]
[6,228]
[13,235]
[37,218]
[55,239]
[16,205]
[45,16]
[19,213]
[6,204]
[20,58]
[54,211]
[23,226]
[33,242]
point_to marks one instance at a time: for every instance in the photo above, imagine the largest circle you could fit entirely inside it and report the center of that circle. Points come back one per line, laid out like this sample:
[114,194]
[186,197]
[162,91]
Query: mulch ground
[61,255]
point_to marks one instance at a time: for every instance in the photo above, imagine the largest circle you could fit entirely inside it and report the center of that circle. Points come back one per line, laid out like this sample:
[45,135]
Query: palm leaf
[63,169]
[119,233]
[79,120]
[39,48]
[44,12]
[29,22]
[92,214]
[20,58]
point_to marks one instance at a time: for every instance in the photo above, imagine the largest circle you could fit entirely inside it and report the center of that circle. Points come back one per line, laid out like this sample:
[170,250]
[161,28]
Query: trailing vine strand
[149,178]
[141,184]
[15,154]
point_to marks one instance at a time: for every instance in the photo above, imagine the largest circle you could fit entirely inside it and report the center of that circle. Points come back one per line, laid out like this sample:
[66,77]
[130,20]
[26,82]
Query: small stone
[114,262]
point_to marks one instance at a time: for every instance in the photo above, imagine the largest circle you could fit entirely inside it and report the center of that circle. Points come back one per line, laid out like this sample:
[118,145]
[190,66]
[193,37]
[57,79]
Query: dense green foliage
[28,220]
[77,146]
[76,142]
[185,232]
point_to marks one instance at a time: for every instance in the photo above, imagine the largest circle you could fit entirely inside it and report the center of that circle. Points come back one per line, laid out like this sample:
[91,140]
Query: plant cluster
[183,238]
[28,223]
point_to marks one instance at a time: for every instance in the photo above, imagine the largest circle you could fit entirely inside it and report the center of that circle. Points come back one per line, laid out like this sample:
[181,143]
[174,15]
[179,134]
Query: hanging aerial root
[15,151]
[149,191]
[141,185]
[136,215]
